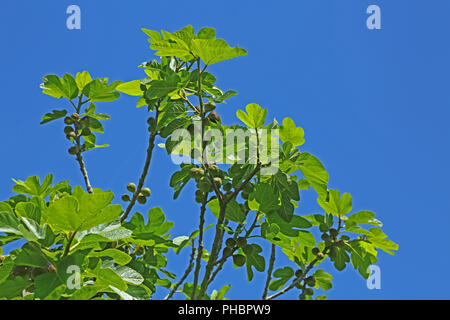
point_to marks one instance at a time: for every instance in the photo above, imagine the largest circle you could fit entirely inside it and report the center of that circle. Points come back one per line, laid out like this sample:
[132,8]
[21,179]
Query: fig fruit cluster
[141,196]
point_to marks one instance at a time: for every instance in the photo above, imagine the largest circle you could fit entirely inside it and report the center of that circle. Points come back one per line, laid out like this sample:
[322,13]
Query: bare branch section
[84,173]
[151,146]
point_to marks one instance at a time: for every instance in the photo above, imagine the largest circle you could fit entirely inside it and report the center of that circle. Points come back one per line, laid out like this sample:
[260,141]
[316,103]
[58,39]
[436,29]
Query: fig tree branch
[224,259]
[151,146]
[269,271]
[200,245]
[297,280]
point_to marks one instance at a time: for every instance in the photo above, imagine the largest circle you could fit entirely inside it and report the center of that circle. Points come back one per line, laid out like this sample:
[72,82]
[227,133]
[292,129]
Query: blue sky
[374,105]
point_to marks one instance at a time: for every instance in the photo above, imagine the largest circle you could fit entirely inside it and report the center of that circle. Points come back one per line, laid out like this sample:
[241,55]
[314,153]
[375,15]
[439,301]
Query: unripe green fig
[218,181]
[214,117]
[151,121]
[76,116]
[311,281]
[298,273]
[333,232]
[230,243]
[308,291]
[146,192]
[131,187]
[68,120]
[315,251]
[196,172]
[141,199]
[210,106]
[239,260]
[126,198]
[241,242]
[68,130]
[73,150]
[325,237]
[71,135]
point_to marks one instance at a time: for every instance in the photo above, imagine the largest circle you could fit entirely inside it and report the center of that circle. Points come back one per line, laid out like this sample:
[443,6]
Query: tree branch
[200,246]
[298,279]
[224,259]
[84,172]
[151,146]
[269,272]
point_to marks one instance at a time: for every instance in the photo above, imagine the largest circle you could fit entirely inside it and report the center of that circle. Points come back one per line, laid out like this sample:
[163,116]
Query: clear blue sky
[374,105]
